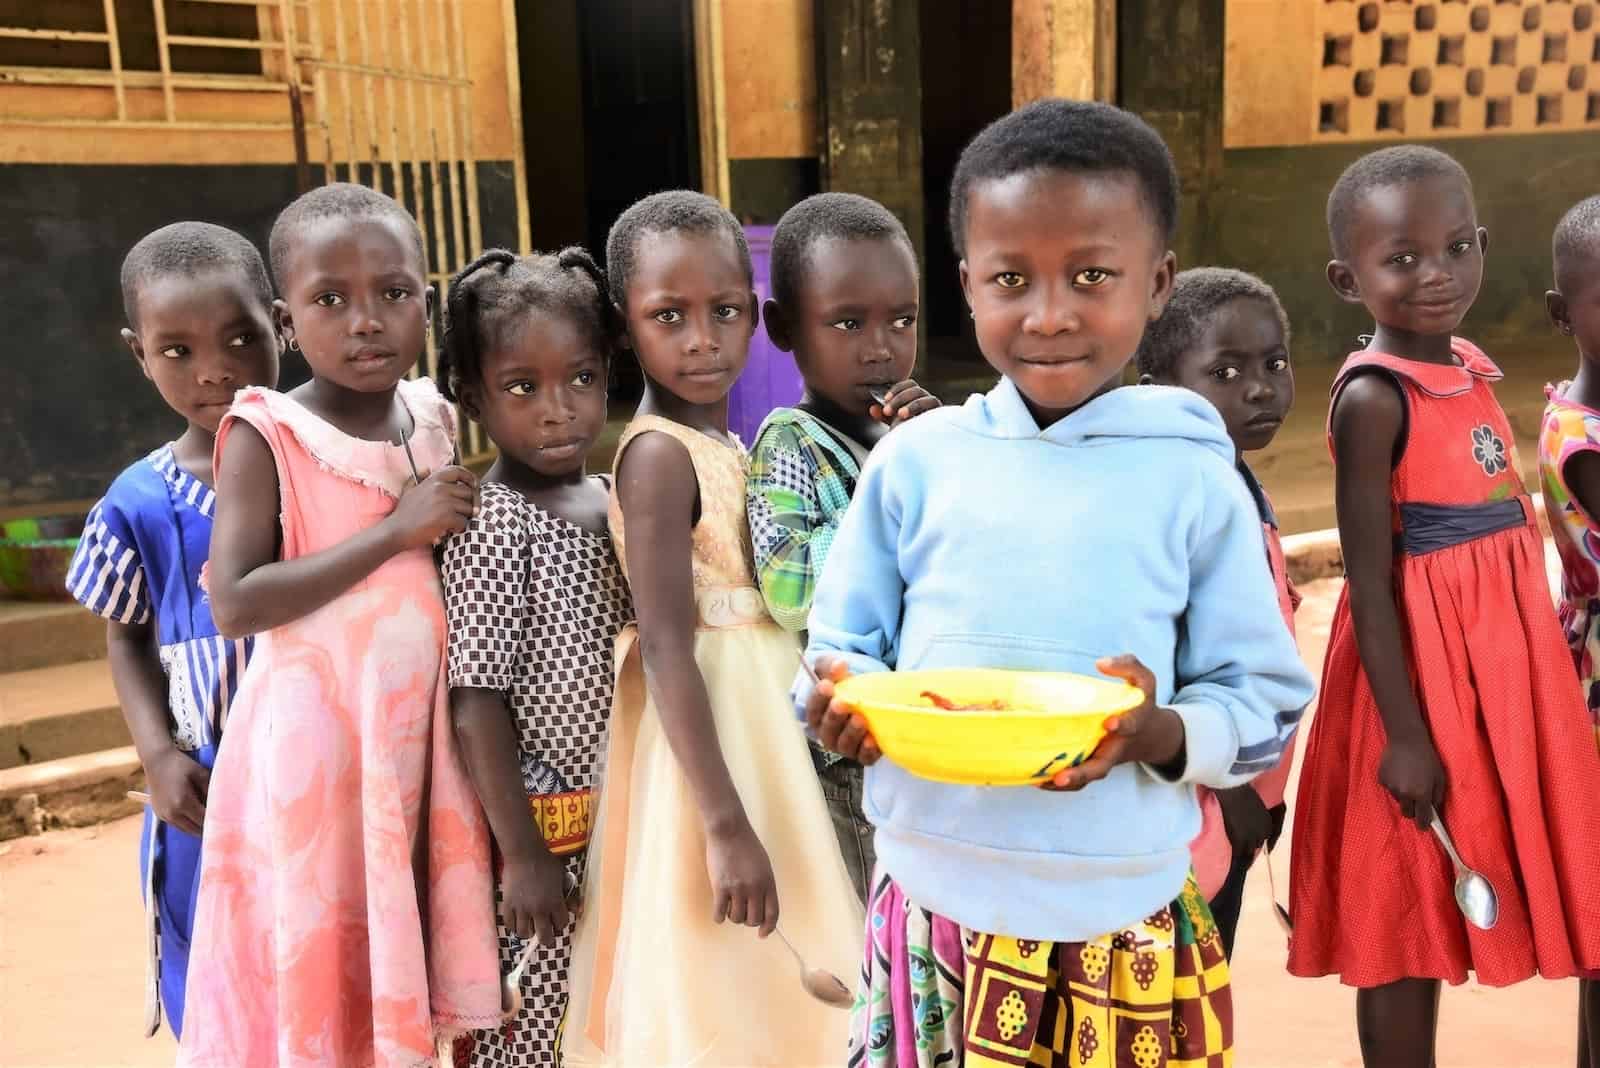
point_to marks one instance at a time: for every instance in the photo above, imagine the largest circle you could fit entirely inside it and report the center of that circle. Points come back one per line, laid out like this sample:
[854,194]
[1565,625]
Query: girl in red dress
[1448,686]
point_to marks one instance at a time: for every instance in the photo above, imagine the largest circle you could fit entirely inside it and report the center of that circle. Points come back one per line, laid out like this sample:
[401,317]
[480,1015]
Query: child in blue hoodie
[1045,525]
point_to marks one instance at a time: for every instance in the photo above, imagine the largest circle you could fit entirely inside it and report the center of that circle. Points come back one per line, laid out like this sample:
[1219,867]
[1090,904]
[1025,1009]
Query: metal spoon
[818,982]
[511,984]
[405,443]
[1474,894]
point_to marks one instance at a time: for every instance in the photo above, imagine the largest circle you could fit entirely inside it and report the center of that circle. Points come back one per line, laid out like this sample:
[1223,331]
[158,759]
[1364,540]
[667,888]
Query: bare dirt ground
[72,972]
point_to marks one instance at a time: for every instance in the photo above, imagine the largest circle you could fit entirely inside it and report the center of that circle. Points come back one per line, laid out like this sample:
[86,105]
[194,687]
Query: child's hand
[1149,734]
[743,887]
[178,788]
[903,401]
[1411,772]
[534,897]
[837,726]
[1246,819]
[436,508]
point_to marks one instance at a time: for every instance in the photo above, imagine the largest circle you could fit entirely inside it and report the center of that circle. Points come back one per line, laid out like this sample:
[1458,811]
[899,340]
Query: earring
[294,345]
[971,314]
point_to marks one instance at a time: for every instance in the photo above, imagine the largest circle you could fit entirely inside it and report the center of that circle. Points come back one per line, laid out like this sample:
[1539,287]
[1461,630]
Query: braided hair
[498,290]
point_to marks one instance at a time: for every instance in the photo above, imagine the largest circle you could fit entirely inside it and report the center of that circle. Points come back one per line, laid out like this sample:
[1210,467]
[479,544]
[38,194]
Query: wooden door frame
[1063,48]
[711,99]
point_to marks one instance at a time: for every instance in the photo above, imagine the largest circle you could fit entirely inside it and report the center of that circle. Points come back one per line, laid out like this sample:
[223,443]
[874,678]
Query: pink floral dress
[1570,428]
[346,912]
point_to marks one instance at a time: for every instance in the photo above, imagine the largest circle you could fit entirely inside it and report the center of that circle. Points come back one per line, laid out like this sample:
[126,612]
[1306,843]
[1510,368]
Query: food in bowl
[987,727]
[977,706]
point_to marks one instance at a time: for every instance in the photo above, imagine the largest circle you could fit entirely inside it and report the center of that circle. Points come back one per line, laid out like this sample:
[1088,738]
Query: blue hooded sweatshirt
[977,540]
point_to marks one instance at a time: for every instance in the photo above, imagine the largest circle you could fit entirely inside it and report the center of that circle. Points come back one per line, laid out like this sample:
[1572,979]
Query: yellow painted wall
[769,67]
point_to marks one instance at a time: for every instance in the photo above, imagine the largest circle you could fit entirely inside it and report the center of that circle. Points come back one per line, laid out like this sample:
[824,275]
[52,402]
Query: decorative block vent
[1416,69]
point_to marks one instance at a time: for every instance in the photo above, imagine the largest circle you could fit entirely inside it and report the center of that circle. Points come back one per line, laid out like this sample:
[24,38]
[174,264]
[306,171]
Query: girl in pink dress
[346,912]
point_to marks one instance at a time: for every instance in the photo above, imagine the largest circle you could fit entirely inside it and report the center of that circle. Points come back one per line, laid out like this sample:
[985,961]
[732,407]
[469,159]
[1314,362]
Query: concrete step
[37,634]
[55,712]
[74,791]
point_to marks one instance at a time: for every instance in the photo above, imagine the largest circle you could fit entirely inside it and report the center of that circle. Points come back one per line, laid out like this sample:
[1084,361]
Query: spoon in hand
[818,982]
[511,985]
[1474,894]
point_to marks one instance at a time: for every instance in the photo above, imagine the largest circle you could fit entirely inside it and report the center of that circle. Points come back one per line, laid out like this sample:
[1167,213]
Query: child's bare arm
[532,886]
[252,590]
[657,489]
[1367,420]
[178,784]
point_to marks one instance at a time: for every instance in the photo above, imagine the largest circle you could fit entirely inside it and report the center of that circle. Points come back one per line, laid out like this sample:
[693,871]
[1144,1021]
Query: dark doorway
[609,110]
[966,84]
[640,104]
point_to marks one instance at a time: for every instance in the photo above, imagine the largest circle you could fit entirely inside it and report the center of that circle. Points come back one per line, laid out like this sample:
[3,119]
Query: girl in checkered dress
[535,599]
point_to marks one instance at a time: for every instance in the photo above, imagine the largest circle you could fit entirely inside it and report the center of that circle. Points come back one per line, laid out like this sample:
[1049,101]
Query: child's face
[690,313]
[1575,304]
[201,338]
[542,397]
[1063,270]
[854,325]
[356,301]
[1240,363]
[1414,256]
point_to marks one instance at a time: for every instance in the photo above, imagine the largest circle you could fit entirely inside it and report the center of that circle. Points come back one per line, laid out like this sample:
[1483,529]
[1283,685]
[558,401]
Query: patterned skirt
[1154,995]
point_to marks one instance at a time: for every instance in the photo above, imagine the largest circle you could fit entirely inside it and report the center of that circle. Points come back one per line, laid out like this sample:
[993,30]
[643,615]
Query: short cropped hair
[336,200]
[844,216]
[186,249]
[1397,165]
[1197,295]
[675,210]
[1076,136]
[1576,244]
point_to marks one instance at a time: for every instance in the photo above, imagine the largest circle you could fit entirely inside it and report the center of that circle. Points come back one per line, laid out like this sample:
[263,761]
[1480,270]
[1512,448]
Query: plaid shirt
[801,479]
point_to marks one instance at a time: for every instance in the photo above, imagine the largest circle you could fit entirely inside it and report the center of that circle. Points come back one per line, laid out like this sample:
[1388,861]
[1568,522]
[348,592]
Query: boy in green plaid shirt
[844,287]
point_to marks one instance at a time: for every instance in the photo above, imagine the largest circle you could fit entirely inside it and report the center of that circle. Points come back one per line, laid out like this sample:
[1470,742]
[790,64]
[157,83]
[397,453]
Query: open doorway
[609,114]
[966,84]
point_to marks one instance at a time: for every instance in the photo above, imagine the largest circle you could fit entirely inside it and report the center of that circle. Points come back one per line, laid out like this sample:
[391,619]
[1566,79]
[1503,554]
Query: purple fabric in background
[770,380]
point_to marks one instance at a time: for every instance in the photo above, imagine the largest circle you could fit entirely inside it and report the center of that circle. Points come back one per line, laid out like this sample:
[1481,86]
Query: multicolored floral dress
[934,994]
[1371,893]
[1569,429]
[535,603]
[346,911]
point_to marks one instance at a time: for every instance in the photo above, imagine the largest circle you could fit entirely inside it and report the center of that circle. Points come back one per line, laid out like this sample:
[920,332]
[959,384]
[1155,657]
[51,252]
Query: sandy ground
[72,972]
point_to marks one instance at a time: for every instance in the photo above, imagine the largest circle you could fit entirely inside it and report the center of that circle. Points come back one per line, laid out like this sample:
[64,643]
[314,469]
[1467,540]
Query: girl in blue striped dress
[200,325]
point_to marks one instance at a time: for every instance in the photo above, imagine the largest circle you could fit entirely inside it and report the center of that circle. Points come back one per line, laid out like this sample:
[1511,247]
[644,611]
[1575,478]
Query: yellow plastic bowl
[1050,721]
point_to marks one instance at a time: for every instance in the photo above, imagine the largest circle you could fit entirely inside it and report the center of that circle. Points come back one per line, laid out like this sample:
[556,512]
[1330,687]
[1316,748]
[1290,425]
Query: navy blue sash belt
[1427,528]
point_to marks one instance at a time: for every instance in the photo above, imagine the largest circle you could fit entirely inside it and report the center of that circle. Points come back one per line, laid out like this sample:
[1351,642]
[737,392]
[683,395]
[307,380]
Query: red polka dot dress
[1371,895]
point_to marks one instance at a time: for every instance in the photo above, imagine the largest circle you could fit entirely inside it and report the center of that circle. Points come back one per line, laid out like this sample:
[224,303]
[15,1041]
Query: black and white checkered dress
[535,604]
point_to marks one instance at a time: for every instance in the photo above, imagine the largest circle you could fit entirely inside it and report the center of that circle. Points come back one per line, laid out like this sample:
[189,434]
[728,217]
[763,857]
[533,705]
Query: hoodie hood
[1125,413]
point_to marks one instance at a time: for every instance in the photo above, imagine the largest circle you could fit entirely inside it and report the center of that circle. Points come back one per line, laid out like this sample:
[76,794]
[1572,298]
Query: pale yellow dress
[654,981]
